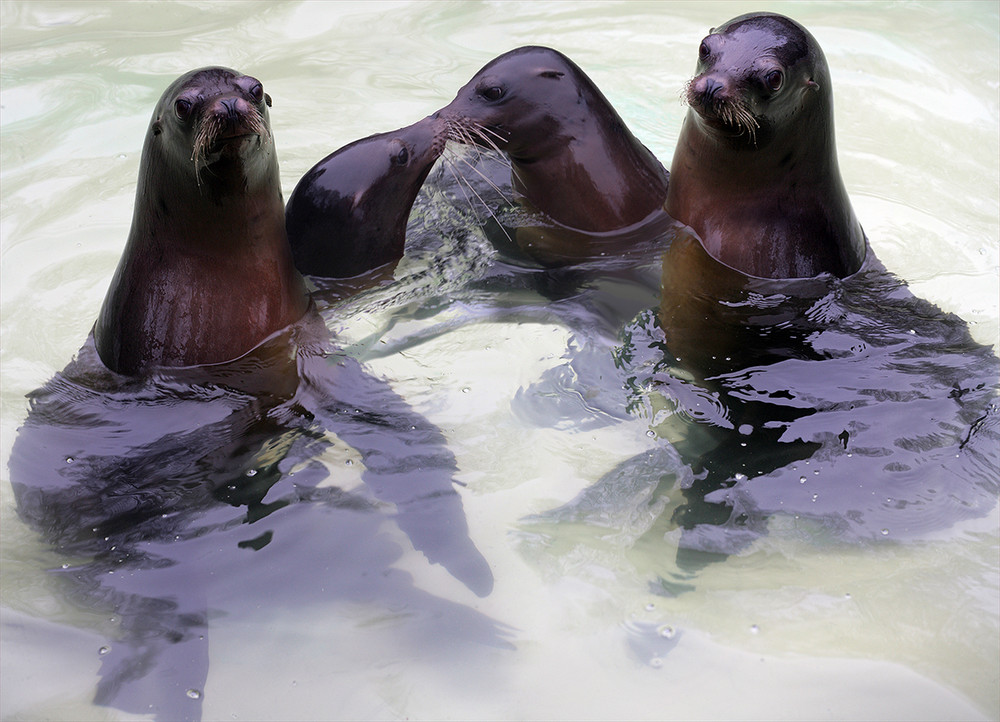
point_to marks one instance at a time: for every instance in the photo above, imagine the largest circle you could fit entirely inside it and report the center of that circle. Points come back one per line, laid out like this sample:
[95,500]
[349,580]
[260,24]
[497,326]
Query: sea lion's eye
[401,157]
[703,51]
[493,92]
[257,92]
[182,107]
[774,79]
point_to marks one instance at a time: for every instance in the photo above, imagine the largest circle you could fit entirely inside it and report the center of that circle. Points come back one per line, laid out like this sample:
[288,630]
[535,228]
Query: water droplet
[666,631]
[847,595]
[815,497]
[740,477]
[251,472]
[70,459]
[885,532]
[103,650]
[802,480]
[349,462]
[656,662]
[194,693]
[650,607]
[466,390]
[815,472]
[651,434]
[754,629]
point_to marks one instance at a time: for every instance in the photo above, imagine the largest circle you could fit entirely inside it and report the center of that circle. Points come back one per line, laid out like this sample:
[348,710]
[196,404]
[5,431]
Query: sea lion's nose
[231,111]
[709,89]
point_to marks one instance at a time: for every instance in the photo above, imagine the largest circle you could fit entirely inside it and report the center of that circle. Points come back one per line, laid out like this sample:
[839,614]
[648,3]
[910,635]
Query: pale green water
[786,630]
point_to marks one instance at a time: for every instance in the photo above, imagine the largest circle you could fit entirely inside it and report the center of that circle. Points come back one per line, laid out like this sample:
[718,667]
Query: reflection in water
[148,490]
[850,408]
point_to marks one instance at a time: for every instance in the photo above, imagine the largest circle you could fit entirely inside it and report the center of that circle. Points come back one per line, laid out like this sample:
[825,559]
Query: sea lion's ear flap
[267,100]
[157,127]
[812,84]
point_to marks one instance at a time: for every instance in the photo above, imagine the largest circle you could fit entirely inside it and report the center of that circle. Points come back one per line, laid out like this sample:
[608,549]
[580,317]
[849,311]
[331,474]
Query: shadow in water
[838,410]
[206,492]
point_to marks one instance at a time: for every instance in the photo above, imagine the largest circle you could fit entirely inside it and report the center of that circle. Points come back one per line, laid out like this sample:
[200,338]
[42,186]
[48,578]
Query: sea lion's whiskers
[466,187]
[469,132]
[730,111]
[738,115]
[211,127]
[486,178]
[484,133]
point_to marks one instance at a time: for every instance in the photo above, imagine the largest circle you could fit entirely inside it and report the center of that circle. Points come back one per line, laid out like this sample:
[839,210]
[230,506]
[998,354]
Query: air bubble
[251,472]
[194,693]
[103,650]
[666,631]
[754,629]
[650,607]
[885,532]
[802,480]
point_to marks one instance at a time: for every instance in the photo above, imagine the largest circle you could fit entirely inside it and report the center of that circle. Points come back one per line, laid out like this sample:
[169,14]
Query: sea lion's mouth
[227,138]
[470,132]
[728,117]
[235,142]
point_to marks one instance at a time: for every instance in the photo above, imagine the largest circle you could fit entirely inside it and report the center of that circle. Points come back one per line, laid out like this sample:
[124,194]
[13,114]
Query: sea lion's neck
[206,275]
[597,177]
[776,210]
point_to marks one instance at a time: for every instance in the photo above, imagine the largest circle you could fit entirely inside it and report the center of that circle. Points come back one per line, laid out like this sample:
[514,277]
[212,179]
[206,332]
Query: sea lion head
[219,116]
[754,74]
[348,214]
[527,103]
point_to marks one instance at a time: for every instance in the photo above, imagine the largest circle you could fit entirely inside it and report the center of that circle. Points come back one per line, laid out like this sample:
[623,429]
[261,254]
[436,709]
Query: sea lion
[572,157]
[207,273]
[348,214]
[755,169]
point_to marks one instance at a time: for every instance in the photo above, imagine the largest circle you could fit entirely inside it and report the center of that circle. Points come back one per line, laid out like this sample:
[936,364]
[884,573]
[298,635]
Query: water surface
[569,481]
